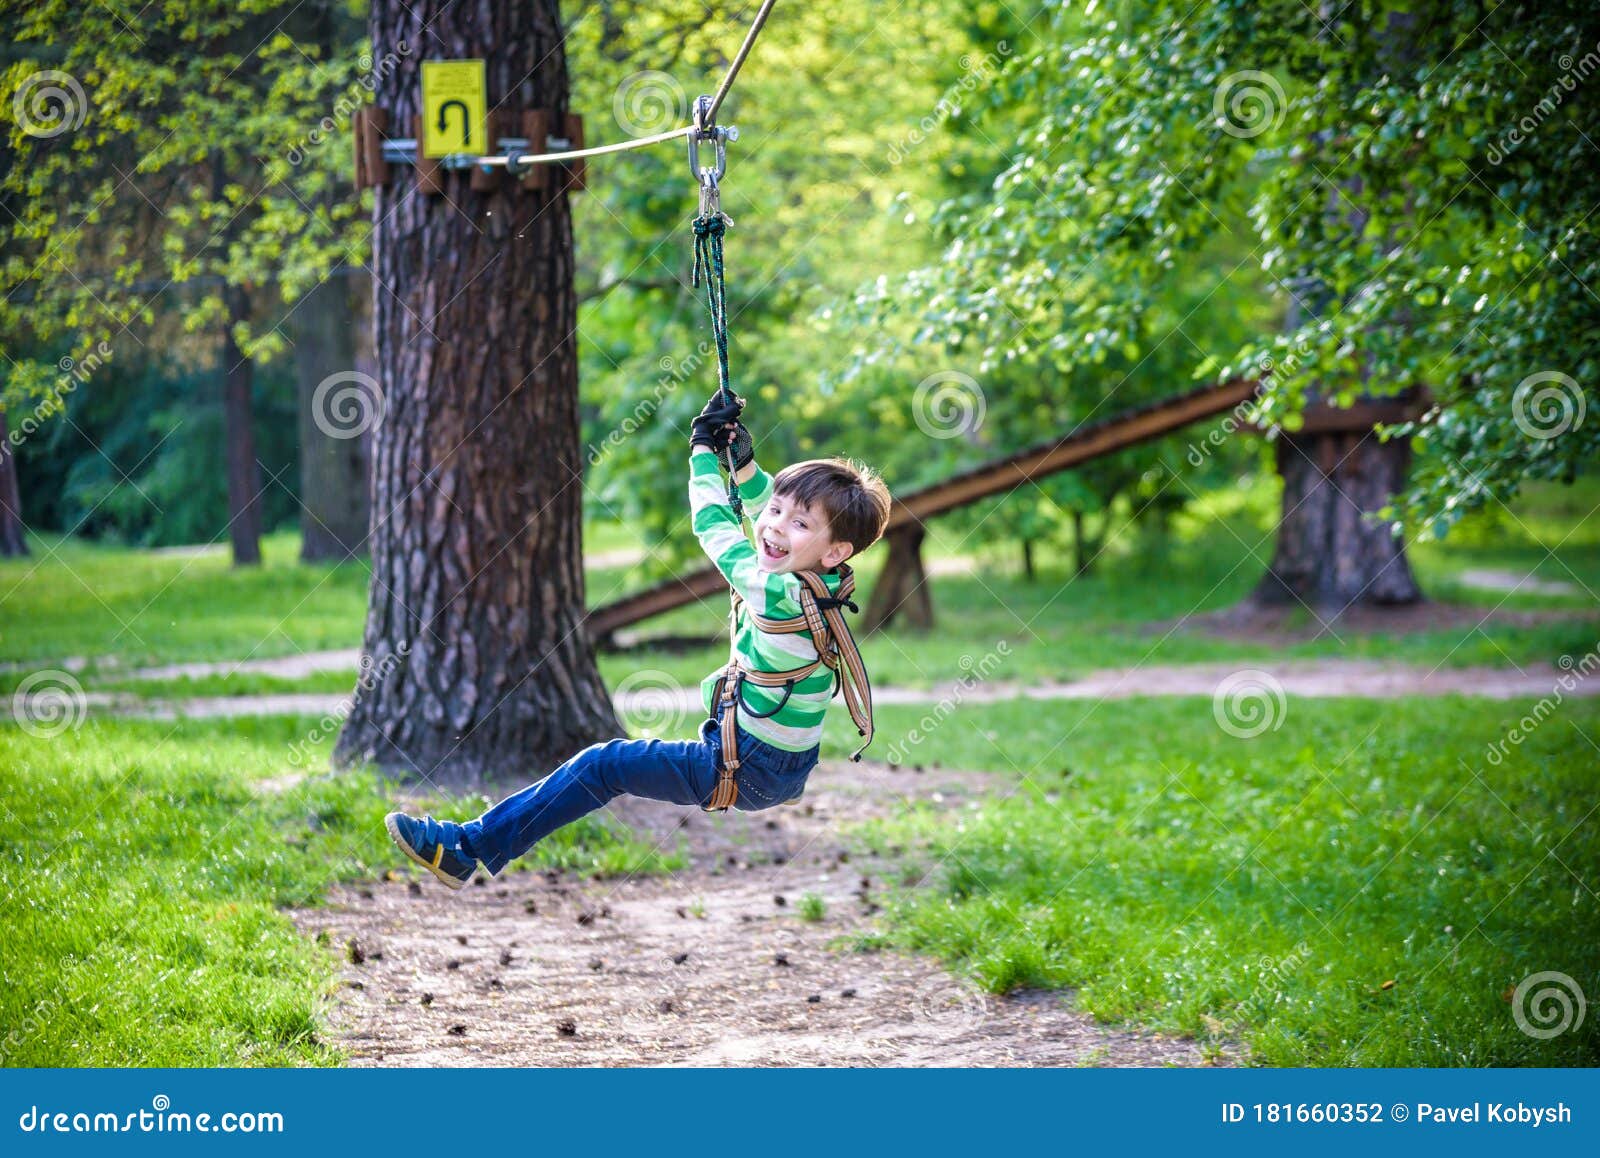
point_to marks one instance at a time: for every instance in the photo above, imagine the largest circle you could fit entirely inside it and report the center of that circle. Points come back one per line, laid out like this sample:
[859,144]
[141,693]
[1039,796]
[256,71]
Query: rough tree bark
[902,584]
[13,534]
[244,475]
[481,666]
[1327,555]
[331,338]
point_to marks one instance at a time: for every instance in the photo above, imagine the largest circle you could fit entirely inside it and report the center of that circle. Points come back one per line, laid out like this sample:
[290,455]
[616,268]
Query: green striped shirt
[797,726]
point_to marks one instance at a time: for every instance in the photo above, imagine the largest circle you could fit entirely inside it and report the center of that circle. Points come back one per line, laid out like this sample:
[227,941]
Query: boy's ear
[837,553]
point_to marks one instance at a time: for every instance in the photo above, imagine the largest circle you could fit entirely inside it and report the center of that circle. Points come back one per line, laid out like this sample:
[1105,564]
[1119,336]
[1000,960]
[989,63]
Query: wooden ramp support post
[902,585]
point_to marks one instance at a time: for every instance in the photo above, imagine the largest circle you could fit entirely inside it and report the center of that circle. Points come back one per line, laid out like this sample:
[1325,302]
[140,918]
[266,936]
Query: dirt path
[1497,580]
[711,966]
[1376,679]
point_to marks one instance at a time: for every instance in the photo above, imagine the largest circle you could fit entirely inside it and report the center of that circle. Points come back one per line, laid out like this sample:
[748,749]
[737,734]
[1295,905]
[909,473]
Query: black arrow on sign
[466,119]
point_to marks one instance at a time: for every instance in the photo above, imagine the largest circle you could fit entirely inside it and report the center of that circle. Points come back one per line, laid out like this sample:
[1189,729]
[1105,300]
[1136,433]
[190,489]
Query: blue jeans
[677,771]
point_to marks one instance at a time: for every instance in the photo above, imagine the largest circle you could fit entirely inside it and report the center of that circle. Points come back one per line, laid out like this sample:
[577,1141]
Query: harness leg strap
[727,789]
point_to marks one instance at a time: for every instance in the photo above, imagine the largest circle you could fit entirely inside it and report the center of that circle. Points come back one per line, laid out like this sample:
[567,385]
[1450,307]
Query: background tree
[166,196]
[332,332]
[13,534]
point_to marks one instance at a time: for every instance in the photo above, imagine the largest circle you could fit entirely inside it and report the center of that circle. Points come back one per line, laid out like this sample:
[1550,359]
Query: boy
[812,517]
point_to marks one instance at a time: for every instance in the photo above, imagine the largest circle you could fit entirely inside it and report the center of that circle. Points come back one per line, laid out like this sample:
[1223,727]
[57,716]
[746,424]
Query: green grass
[76,599]
[1339,891]
[143,871]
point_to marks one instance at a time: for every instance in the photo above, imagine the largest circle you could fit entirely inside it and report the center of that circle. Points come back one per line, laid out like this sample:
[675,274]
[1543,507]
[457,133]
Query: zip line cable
[516,159]
[738,60]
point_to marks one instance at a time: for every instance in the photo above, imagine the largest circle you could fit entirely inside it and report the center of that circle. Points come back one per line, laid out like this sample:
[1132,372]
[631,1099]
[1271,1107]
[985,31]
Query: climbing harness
[820,616]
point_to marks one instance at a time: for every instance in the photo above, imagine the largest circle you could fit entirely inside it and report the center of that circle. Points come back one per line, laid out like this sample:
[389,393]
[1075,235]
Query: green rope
[708,234]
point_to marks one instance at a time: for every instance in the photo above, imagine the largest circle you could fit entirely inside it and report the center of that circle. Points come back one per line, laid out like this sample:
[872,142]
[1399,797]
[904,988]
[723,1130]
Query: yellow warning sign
[455,108]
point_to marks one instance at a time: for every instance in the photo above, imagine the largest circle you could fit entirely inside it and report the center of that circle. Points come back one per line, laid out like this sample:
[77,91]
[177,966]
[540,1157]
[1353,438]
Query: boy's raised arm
[723,539]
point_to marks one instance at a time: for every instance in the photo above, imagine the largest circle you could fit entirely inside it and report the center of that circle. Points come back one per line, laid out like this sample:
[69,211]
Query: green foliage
[833,149]
[132,458]
[1141,152]
[1341,890]
[176,176]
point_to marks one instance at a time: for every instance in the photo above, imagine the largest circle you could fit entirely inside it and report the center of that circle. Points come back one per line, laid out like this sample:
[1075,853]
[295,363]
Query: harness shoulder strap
[836,646]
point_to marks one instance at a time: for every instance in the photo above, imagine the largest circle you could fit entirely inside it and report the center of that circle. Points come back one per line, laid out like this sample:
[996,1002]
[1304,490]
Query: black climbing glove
[711,428]
[744,447]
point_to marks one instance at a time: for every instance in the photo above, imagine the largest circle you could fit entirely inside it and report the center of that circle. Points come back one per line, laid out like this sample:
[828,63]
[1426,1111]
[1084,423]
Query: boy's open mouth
[769,551]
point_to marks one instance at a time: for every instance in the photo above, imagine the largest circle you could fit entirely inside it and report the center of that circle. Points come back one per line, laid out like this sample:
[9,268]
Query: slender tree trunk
[1027,560]
[337,405]
[902,584]
[244,474]
[13,534]
[1081,556]
[482,667]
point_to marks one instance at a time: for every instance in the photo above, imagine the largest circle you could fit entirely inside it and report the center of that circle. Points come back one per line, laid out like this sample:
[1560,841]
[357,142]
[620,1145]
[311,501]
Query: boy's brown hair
[851,496]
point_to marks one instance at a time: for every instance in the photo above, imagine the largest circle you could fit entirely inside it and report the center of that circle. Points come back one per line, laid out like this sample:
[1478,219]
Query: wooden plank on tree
[577,170]
[428,180]
[371,126]
[536,127]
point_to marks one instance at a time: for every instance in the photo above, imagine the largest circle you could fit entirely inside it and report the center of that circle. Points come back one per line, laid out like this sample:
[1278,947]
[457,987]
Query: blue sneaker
[424,841]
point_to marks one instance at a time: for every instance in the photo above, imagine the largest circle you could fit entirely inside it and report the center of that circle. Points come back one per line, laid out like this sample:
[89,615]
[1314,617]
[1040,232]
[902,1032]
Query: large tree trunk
[239,436]
[1329,557]
[13,535]
[482,668]
[338,405]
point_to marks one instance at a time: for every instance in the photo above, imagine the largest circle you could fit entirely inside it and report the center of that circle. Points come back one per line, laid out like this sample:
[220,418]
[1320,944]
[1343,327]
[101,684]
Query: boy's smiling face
[791,536]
